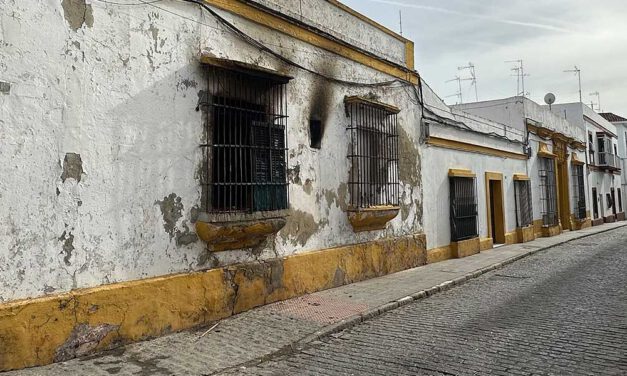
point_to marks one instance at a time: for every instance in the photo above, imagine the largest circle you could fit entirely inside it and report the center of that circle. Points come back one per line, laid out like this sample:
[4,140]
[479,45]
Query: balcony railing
[609,160]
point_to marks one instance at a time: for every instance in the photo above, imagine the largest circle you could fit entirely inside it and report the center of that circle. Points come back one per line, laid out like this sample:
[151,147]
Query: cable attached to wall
[417,92]
[264,48]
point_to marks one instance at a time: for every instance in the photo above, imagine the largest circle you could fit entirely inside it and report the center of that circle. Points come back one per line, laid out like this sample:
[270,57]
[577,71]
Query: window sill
[231,231]
[374,218]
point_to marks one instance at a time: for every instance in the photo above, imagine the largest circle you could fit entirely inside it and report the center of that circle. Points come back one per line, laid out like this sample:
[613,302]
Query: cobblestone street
[560,312]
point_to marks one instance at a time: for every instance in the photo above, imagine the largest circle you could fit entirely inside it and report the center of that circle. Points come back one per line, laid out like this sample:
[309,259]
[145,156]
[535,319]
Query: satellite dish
[549,98]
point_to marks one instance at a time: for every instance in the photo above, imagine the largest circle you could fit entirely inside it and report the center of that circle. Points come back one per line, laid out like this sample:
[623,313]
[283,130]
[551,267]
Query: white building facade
[181,163]
[478,190]
[603,162]
[621,132]
[554,165]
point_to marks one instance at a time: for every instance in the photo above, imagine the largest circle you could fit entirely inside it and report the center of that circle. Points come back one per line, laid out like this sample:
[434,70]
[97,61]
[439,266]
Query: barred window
[463,201]
[548,191]
[373,153]
[620,201]
[579,192]
[524,209]
[245,132]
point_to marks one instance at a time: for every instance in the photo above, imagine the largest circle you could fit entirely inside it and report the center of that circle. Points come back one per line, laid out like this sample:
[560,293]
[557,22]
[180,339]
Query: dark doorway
[497,217]
[595,203]
[613,194]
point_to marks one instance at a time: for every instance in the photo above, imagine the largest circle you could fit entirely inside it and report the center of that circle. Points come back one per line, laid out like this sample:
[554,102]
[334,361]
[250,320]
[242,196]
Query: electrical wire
[401,83]
[264,48]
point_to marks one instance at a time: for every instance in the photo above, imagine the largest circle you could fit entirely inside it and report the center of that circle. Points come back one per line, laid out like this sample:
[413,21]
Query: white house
[603,163]
[621,131]
[166,165]
[476,189]
[555,164]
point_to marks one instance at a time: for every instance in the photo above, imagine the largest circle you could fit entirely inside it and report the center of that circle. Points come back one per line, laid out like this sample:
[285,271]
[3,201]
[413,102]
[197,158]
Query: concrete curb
[377,311]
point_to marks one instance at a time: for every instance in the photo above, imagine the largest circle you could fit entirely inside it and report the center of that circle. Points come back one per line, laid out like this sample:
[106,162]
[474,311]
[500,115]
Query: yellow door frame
[499,209]
[560,149]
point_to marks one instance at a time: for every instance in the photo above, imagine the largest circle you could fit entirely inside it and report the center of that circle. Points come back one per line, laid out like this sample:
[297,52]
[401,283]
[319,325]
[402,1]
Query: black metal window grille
[579,192]
[590,149]
[463,199]
[524,209]
[373,152]
[548,191]
[245,148]
[620,201]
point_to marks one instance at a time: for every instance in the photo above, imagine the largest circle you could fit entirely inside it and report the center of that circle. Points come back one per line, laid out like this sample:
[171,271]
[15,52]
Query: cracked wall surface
[103,137]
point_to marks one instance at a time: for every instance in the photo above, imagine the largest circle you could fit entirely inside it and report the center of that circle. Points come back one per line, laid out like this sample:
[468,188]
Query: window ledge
[231,231]
[374,218]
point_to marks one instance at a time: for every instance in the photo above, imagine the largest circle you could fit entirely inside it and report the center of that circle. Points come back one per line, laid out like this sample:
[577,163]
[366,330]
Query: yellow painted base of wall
[511,238]
[542,231]
[549,231]
[439,254]
[581,224]
[485,244]
[43,330]
[525,234]
[465,248]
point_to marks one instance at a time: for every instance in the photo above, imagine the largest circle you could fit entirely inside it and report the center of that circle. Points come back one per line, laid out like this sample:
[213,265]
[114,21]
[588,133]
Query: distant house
[603,162]
[621,131]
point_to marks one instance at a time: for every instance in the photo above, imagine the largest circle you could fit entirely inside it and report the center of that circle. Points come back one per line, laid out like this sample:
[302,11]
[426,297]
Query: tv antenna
[520,76]
[473,78]
[400,20]
[598,95]
[576,71]
[459,89]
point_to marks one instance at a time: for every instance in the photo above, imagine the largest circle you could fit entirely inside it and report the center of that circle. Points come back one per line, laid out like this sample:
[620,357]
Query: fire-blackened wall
[101,158]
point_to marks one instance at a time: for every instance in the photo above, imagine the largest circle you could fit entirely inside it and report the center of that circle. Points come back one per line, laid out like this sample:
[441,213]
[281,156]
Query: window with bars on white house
[245,147]
[524,209]
[548,191]
[373,153]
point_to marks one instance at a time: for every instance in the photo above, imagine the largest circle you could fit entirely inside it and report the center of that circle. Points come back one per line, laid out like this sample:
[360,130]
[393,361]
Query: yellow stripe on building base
[43,330]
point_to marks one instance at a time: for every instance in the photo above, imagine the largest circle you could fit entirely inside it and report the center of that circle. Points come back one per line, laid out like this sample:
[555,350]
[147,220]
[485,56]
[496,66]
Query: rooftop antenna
[459,86]
[598,95]
[400,20]
[472,79]
[520,77]
[577,71]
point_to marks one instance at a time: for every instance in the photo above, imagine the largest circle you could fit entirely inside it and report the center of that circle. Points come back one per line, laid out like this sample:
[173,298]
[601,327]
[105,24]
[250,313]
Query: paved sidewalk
[276,329]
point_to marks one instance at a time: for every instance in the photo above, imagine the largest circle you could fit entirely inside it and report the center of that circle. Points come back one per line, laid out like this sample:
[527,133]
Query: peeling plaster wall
[100,144]
[329,18]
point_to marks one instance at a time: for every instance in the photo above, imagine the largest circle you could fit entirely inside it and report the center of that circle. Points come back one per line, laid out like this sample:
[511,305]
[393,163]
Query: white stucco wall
[436,190]
[119,87]
[602,180]
[330,18]
[439,160]
[566,119]
[621,131]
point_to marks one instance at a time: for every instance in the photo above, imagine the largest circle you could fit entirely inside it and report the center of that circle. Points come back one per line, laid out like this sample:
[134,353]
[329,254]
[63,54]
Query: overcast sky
[549,36]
